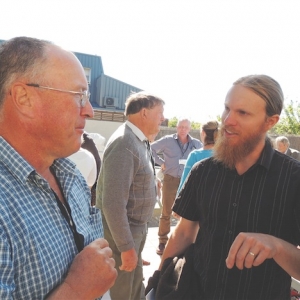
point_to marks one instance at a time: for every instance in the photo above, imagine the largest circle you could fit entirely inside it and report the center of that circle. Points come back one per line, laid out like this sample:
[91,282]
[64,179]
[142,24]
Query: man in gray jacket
[126,191]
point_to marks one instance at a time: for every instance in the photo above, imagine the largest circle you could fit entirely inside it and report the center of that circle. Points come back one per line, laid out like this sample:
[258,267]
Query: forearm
[288,257]
[184,234]
[64,291]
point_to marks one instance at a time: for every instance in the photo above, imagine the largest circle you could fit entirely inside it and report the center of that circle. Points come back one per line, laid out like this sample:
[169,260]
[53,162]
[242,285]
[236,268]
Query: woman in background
[208,135]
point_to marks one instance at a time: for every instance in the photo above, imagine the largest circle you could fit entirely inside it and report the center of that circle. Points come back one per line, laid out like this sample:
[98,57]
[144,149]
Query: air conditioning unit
[111,102]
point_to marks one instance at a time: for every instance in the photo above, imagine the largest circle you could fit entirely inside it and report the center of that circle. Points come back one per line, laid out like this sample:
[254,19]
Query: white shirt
[86,164]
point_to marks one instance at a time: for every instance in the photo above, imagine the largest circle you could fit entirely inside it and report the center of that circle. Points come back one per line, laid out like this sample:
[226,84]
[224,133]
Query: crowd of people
[69,235]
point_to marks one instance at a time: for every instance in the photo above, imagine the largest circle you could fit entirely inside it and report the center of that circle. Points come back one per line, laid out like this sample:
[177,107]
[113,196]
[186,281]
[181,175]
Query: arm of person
[252,249]
[157,147]
[129,260]
[91,274]
[118,169]
[187,168]
[183,235]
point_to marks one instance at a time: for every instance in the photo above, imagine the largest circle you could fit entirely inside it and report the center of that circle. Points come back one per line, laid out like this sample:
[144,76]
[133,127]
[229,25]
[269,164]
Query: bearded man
[241,207]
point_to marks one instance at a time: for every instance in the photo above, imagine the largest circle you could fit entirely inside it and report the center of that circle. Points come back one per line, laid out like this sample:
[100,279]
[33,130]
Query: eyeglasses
[84,96]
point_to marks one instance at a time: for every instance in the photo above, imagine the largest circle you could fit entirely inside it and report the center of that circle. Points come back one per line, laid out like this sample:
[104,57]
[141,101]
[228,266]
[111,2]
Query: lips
[229,132]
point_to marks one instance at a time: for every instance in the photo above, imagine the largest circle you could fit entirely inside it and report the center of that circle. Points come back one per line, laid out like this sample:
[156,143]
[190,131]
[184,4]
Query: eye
[242,112]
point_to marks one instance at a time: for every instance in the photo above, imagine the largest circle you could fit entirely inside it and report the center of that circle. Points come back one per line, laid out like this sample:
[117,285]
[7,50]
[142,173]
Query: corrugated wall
[114,88]
[94,63]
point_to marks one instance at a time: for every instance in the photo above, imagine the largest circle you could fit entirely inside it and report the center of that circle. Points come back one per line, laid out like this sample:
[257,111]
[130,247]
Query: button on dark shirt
[265,199]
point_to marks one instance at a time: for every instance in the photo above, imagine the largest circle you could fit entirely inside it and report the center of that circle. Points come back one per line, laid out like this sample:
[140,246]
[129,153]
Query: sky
[188,52]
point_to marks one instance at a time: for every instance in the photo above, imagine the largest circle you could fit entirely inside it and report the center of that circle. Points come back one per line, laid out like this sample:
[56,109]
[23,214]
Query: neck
[183,140]
[208,146]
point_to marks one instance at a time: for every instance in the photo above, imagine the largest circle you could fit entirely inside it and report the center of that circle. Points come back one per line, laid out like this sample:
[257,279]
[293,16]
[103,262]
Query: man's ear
[144,113]
[271,121]
[22,98]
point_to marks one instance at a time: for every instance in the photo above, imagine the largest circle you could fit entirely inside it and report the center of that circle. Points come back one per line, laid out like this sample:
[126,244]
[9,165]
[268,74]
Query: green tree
[289,122]
[173,123]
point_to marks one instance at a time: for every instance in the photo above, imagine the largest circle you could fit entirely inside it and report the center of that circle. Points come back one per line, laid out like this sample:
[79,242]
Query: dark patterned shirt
[265,199]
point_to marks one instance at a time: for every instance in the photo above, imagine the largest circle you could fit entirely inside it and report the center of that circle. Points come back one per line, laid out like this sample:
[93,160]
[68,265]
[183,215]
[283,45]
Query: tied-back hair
[20,57]
[267,88]
[137,101]
[211,129]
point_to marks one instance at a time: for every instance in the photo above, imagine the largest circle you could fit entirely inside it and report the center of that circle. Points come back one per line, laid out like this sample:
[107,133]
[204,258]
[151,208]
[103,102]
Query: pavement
[149,252]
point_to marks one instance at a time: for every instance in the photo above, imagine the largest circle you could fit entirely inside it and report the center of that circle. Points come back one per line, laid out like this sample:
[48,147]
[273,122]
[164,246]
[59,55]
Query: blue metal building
[106,92]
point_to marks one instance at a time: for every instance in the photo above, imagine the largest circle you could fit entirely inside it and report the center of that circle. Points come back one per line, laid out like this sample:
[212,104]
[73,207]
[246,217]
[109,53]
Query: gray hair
[267,88]
[136,101]
[282,139]
[20,57]
[183,120]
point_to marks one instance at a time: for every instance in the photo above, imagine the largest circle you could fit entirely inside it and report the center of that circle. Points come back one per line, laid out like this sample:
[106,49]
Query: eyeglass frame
[84,96]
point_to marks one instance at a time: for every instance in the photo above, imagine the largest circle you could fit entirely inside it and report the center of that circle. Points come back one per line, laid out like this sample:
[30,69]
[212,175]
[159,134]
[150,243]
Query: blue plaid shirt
[36,243]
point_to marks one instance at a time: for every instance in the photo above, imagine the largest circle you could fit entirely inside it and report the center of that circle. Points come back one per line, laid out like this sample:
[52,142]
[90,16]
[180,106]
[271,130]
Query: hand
[129,260]
[251,249]
[163,167]
[91,274]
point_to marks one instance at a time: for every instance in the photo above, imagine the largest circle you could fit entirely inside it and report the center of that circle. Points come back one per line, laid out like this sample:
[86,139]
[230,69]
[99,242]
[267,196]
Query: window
[87,72]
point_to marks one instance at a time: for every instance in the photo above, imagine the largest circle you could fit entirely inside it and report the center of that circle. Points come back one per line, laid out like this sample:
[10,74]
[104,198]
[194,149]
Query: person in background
[49,232]
[208,136]
[282,144]
[126,190]
[89,144]
[86,164]
[175,149]
[241,206]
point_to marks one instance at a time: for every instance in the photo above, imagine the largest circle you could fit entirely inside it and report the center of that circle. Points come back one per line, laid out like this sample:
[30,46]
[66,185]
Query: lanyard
[66,212]
[181,148]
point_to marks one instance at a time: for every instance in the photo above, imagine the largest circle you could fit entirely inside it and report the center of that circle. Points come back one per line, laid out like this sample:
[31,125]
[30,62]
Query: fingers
[93,279]
[126,268]
[102,243]
[129,260]
[249,250]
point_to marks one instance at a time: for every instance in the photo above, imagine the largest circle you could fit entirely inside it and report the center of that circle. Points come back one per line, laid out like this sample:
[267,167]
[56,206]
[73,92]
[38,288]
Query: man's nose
[88,110]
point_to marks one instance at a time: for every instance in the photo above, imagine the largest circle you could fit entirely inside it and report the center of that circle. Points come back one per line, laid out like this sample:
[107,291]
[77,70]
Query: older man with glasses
[51,241]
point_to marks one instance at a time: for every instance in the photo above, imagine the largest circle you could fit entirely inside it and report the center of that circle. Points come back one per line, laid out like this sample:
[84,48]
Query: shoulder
[164,141]
[169,137]
[294,151]
[195,141]
[284,162]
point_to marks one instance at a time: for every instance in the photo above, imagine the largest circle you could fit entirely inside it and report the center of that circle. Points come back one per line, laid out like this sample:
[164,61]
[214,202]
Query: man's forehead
[243,96]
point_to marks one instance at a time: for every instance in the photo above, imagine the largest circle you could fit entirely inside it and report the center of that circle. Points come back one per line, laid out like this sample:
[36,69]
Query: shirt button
[230,231]
[234,204]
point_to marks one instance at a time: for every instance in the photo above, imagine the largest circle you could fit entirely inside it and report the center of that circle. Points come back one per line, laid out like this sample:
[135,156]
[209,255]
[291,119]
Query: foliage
[289,122]
[173,123]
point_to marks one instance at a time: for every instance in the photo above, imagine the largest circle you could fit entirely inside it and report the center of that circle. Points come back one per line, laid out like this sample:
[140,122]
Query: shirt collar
[138,132]
[176,137]
[20,168]
[266,156]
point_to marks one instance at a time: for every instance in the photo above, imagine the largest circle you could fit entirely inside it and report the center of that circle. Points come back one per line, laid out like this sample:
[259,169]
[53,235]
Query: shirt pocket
[95,225]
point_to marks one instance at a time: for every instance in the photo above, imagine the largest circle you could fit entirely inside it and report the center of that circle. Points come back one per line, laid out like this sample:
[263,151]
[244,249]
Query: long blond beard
[230,154]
